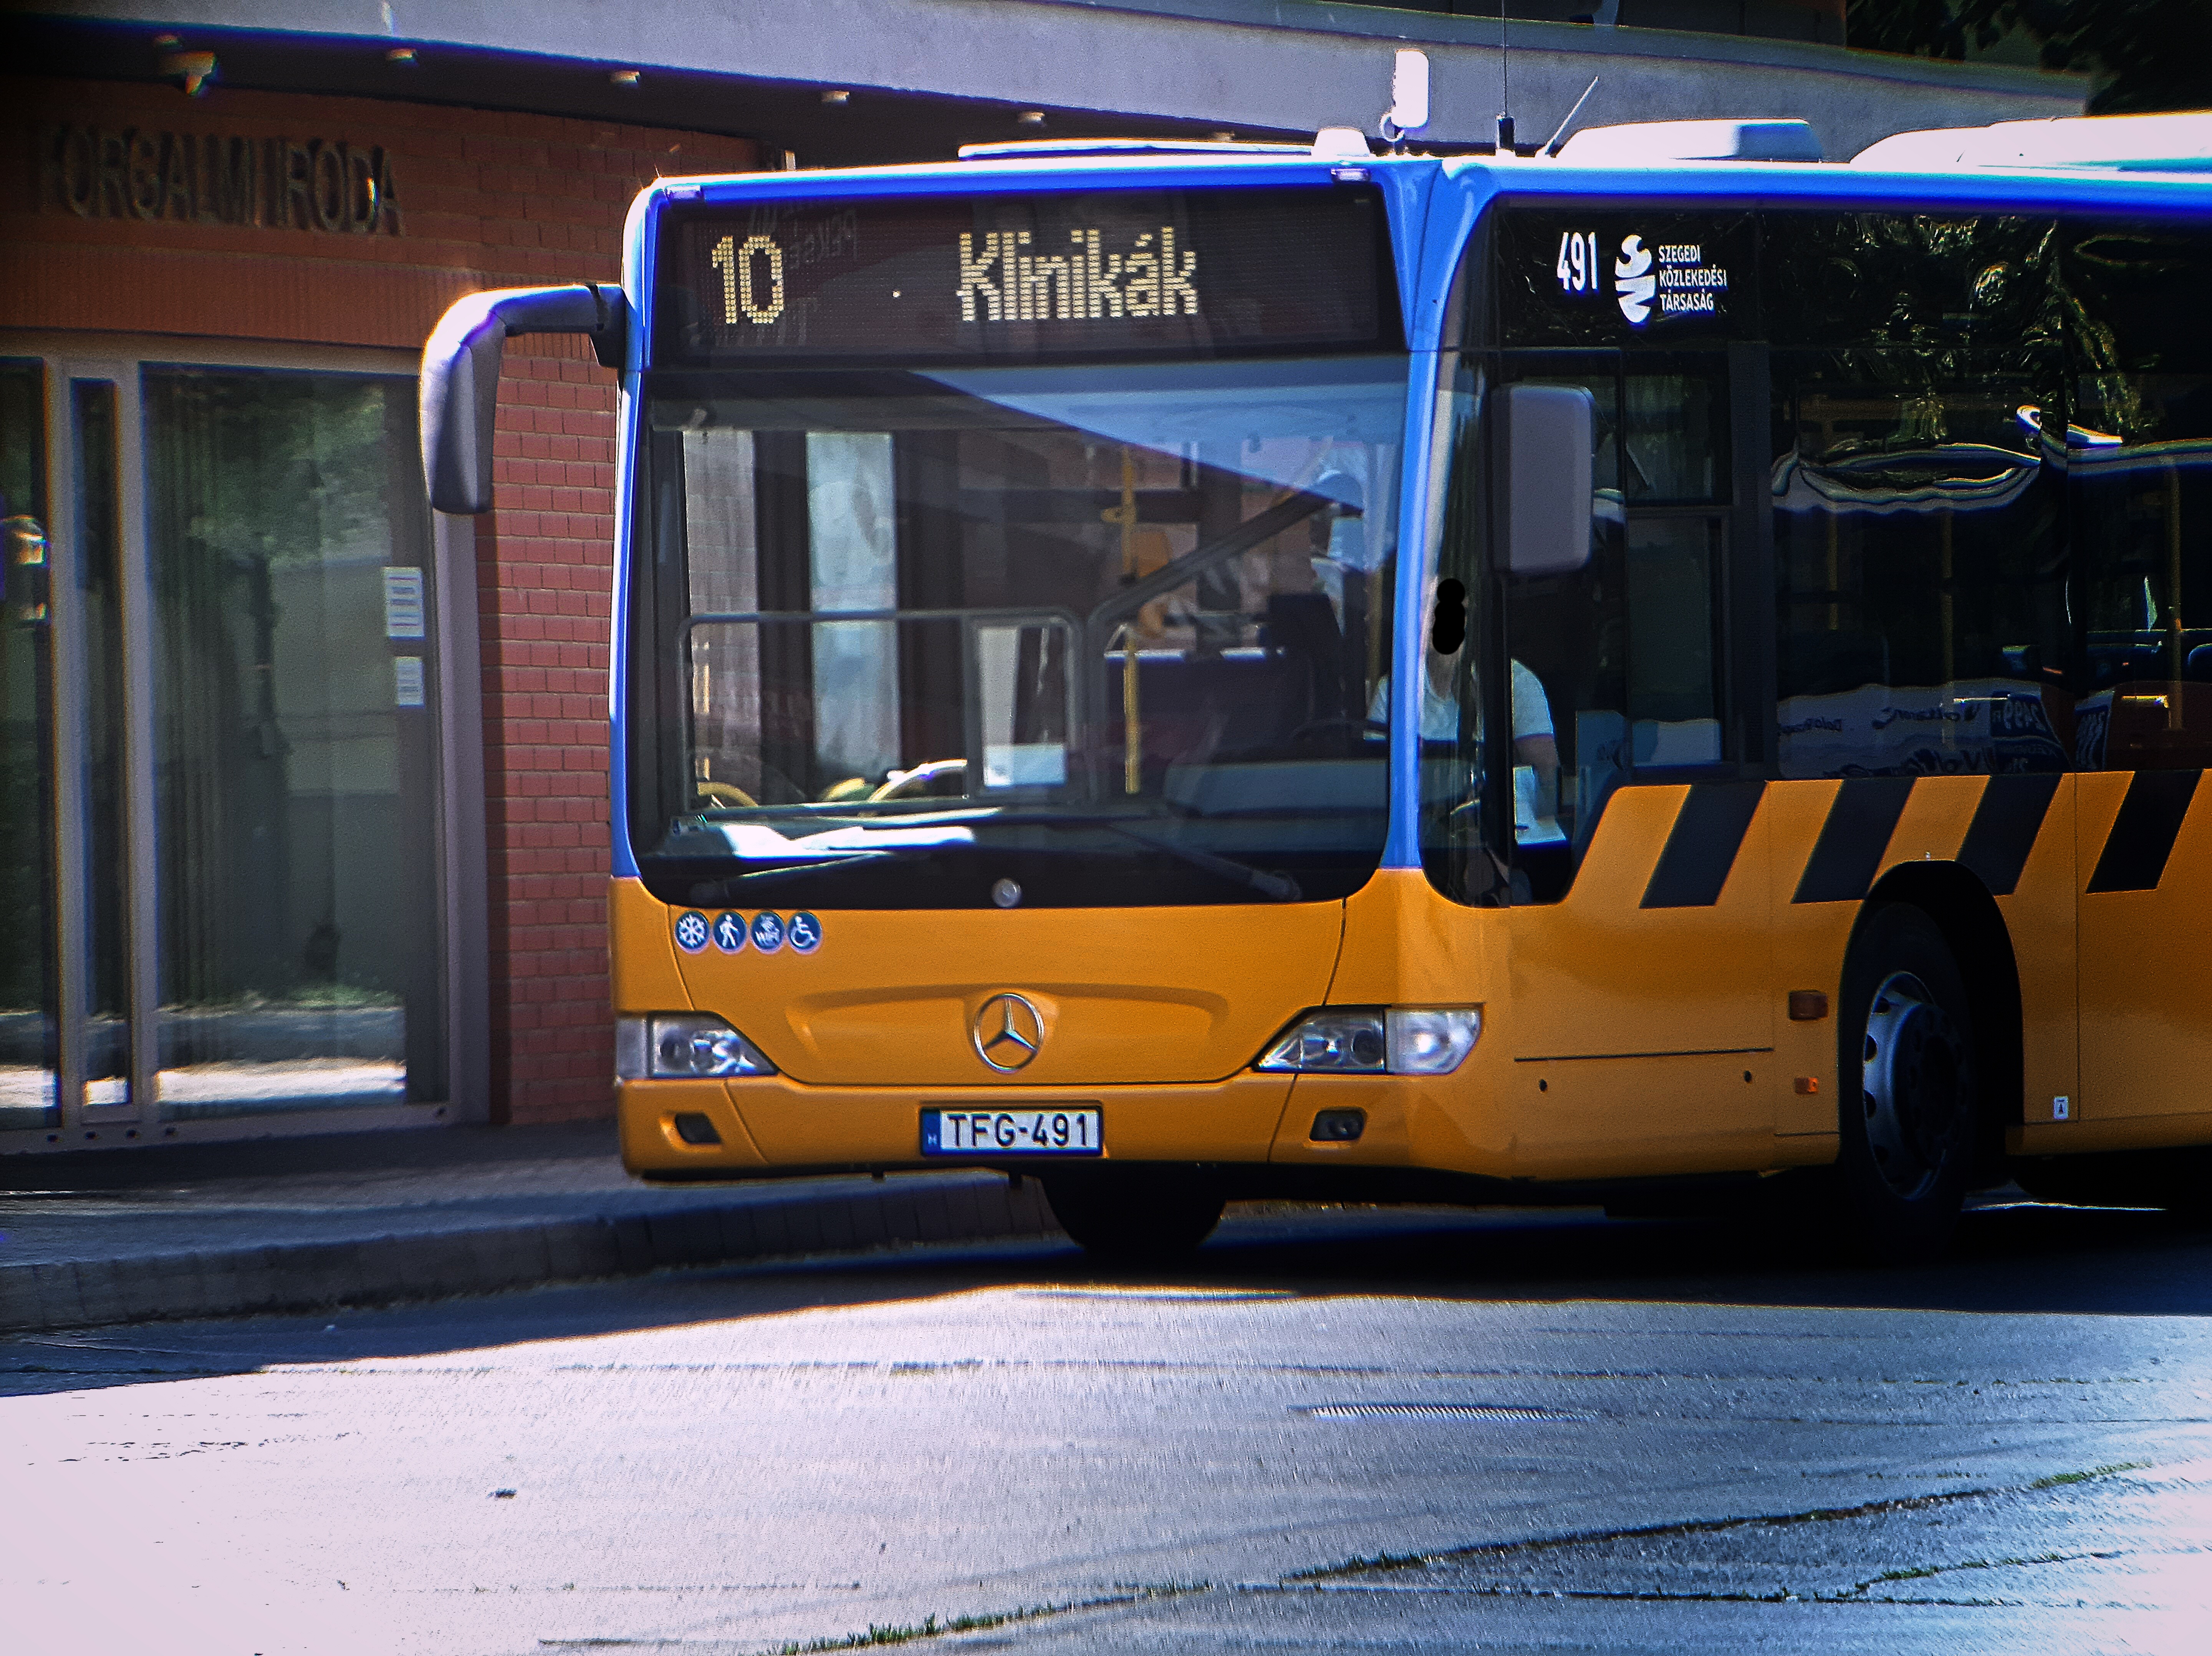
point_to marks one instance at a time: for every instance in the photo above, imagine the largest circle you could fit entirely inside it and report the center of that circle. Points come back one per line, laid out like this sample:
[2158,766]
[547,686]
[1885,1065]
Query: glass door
[223,822]
[30,1008]
[98,662]
[300,953]
[70,984]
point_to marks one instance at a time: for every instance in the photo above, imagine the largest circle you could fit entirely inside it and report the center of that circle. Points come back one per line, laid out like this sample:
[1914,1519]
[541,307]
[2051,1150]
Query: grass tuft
[930,1627]
[2113,1471]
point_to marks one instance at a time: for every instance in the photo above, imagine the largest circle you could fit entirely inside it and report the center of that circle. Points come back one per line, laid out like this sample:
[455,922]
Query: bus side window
[1675,494]
[1920,563]
[2141,484]
[2138,445]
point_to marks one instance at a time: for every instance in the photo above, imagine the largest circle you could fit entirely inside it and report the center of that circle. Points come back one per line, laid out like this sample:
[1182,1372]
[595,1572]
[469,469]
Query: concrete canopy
[927,75]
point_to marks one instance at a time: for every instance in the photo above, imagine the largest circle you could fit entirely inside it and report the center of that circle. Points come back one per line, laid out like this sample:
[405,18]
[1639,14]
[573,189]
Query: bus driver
[1535,744]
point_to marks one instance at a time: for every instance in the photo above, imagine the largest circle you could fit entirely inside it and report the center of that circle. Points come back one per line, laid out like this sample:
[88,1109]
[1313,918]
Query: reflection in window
[1677,446]
[1921,567]
[295,746]
[851,526]
[1158,590]
[1674,688]
[2141,455]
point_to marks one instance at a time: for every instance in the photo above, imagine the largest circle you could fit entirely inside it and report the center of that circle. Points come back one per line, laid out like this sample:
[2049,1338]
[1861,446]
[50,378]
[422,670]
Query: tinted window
[1892,279]
[2139,451]
[1921,570]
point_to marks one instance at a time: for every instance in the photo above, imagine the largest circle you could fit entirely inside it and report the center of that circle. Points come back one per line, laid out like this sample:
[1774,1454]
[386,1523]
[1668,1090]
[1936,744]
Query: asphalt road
[1337,1430]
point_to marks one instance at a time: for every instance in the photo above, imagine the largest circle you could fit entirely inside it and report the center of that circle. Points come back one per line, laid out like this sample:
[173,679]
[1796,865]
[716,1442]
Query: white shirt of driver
[1532,710]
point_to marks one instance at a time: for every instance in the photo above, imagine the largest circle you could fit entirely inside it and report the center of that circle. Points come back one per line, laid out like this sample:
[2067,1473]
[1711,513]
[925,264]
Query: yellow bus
[1201,671]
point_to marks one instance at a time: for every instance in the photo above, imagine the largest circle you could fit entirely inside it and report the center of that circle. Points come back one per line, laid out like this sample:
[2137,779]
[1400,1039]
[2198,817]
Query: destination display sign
[1200,272]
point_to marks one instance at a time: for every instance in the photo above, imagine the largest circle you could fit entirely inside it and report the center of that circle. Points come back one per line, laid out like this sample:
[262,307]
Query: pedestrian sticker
[767,933]
[805,933]
[729,932]
[691,931]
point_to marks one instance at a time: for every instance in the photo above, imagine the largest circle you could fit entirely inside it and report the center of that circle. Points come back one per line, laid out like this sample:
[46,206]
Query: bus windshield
[1072,634]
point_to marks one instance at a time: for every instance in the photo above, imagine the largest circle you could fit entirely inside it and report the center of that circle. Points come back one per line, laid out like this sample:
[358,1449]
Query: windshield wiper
[1279,887]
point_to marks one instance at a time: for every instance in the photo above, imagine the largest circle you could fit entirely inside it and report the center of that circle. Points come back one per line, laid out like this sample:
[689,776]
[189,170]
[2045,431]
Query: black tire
[1910,1103]
[1135,1215]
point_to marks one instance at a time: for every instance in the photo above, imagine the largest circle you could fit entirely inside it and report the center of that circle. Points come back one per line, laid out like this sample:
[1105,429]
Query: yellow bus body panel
[1156,1015]
[2146,988]
[1127,996]
[1618,1041]
[2040,915]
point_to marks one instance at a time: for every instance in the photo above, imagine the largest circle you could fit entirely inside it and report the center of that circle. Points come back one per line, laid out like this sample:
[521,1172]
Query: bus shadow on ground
[2017,1258]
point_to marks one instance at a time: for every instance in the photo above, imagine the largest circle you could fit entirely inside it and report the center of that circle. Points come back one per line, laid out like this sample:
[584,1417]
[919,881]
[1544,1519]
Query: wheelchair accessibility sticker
[731,933]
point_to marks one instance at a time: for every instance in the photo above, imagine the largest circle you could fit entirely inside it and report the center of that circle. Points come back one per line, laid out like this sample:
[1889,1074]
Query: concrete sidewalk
[287,1225]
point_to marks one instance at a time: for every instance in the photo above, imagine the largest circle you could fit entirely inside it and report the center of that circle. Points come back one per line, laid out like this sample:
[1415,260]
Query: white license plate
[1027,1132]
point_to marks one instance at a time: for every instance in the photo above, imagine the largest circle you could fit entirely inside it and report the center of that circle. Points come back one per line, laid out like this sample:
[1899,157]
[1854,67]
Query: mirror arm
[459,386]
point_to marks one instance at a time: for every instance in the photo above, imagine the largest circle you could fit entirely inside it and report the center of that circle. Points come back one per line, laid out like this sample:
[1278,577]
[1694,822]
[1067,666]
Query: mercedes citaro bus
[1198,672]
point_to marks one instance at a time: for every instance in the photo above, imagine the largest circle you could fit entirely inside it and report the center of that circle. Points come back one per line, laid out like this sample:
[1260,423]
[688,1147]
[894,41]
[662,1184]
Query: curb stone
[314,1275]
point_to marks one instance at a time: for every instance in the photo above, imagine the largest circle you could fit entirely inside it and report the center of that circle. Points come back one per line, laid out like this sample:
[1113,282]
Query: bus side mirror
[460,375]
[1550,454]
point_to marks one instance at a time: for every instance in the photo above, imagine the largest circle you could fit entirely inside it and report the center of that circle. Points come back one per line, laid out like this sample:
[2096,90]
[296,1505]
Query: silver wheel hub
[1913,1074]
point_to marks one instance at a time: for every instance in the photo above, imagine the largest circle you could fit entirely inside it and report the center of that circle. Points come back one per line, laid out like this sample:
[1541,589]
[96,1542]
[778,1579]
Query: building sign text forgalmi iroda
[212,177]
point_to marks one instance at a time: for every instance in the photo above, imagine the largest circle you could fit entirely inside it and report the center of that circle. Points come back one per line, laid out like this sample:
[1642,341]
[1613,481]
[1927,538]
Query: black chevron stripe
[2005,823]
[1860,819]
[1702,846]
[2143,833]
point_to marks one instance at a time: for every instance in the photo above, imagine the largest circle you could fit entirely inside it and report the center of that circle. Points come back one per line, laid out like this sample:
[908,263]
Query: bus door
[1638,888]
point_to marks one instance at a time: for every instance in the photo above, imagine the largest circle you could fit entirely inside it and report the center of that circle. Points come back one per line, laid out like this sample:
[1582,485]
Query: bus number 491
[1577,269]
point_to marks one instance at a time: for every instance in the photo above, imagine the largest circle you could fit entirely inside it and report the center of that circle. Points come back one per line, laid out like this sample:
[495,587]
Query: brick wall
[484,199]
[545,593]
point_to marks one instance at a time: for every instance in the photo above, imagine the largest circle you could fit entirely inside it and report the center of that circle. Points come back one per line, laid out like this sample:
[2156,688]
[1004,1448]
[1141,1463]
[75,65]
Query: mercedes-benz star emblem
[1008,1032]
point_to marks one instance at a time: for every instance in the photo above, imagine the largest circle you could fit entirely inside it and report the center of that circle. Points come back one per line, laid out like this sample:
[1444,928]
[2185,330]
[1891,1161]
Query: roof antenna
[1559,137]
[1505,77]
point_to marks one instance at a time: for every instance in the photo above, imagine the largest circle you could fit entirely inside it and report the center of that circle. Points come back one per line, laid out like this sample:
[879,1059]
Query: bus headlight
[684,1045]
[1376,1041]
[1431,1040]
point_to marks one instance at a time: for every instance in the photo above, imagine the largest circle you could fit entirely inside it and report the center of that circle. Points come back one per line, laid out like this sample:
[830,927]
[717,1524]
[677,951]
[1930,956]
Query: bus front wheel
[1909,1094]
[1135,1215]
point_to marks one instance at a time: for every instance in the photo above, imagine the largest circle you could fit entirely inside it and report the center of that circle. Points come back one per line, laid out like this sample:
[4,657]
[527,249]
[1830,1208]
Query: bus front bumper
[773,1124]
